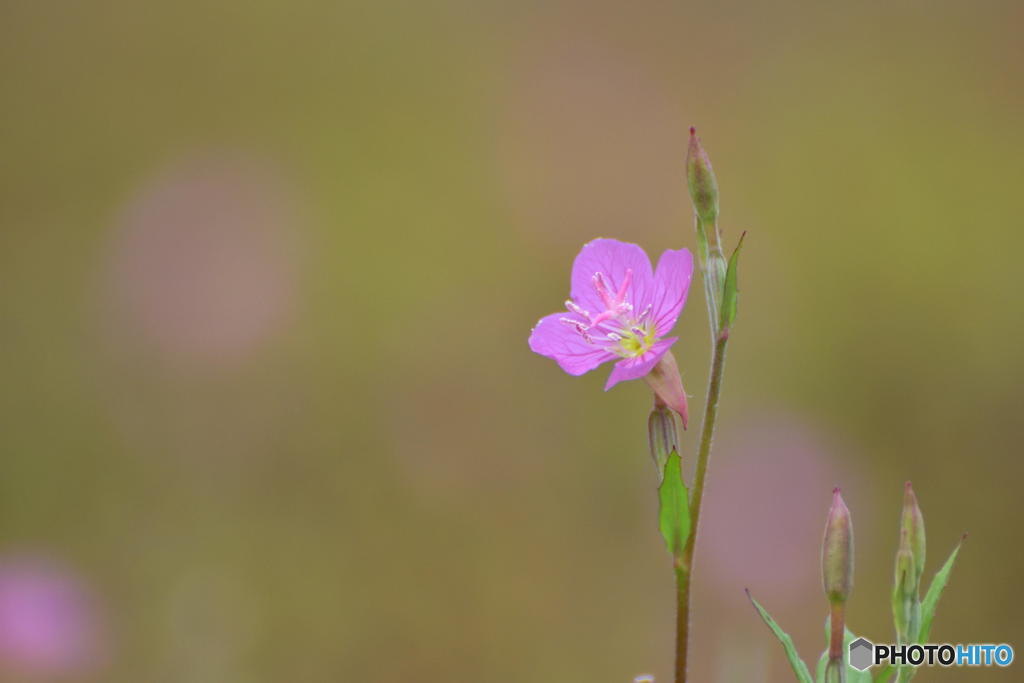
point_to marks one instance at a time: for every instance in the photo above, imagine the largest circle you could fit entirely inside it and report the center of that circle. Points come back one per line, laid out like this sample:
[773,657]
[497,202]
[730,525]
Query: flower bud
[912,523]
[662,436]
[701,179]
[906,590]
[837,551]
[667,385]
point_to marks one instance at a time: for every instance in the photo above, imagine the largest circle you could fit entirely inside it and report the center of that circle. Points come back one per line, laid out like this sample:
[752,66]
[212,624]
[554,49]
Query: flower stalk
[684,571]
[621,310]
[716,270]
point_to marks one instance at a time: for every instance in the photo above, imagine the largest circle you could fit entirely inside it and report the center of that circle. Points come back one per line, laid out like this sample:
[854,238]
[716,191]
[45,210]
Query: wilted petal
[671,285]
[555,339]
[634,368]
[612,259]
[667,384]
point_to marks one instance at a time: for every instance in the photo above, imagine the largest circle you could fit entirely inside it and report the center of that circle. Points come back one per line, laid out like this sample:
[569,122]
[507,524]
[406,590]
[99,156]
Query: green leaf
[931,598]
[884,674]
[799,668]
[731,290]
[819,672]
[905,673]
[674,512]
[853,675]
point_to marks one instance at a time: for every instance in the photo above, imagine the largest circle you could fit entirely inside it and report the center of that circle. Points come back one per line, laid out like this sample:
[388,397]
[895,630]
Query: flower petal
[555,339]
[671,285]
[612,259]
[634,368]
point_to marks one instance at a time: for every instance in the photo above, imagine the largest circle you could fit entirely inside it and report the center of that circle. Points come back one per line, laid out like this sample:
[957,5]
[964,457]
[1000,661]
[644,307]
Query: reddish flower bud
[701,180]
[837,551]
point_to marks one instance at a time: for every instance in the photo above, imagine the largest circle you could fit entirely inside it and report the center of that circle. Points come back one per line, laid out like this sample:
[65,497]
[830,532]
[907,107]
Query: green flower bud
[912,523]
[906,590]
[662,436]
[701,179]
[837,551]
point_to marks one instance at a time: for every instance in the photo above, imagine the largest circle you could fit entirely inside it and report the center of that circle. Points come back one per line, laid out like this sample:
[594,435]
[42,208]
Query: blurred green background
[268,271]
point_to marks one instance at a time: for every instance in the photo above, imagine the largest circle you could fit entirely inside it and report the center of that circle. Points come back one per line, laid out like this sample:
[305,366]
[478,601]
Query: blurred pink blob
[202,260]
[767,499]
[48,622]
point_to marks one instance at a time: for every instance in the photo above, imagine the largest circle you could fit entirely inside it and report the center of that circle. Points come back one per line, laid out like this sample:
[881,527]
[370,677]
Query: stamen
[639,332]
[573,308]
[581,329]
[614,337]
[647,312]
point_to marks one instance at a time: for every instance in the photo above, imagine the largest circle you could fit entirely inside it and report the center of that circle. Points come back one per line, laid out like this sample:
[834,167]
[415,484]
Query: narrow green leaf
[819,671]
[674,512]
[884,674]
[731,290]
[799,668]
[905,673]
[931,598]
[855,676]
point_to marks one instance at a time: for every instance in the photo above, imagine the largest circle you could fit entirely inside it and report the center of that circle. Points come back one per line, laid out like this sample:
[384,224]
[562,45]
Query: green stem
[684,566]
[682,621]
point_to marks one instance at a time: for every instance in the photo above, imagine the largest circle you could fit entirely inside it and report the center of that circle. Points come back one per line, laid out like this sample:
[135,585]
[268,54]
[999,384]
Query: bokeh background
[267,411]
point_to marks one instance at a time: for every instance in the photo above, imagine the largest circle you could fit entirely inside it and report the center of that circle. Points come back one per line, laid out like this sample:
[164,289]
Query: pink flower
[619,310]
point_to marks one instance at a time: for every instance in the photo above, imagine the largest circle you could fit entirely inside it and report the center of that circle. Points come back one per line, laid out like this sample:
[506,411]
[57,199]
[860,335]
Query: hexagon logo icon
[861,654]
